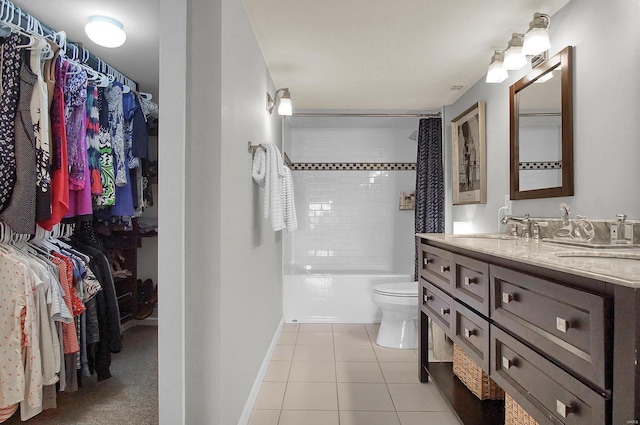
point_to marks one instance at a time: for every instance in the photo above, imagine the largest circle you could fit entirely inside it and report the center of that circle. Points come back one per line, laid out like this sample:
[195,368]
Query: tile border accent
[549,165]
[353,166]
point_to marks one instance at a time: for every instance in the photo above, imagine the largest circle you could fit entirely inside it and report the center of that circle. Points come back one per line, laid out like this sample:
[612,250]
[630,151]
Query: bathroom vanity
[557,327]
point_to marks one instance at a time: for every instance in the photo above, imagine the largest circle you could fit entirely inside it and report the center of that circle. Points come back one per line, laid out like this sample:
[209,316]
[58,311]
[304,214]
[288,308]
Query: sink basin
[497,236]
[600,254]
[587,244]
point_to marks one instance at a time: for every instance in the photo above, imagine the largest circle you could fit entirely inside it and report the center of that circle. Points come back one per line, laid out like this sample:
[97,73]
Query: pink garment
[80,200]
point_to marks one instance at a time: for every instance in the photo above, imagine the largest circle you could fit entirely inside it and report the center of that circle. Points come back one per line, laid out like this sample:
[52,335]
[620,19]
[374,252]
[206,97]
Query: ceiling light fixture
[285,107]
[497,73]
[514,59]
[105,31]
[536,40]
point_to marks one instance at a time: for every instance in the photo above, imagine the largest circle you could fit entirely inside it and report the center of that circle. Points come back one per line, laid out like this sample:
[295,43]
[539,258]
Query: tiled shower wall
[349,221]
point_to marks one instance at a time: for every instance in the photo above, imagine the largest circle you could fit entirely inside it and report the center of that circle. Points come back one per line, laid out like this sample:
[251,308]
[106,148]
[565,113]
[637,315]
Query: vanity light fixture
[514,59]
[284,107]
[497,72]
[536,40]
[105,31]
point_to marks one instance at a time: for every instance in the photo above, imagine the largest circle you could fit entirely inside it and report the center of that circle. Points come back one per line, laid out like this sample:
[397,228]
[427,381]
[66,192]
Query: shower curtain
[429,204]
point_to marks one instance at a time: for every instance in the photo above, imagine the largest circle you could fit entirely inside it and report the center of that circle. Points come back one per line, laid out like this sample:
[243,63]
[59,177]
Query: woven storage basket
[516,415]
[474,378]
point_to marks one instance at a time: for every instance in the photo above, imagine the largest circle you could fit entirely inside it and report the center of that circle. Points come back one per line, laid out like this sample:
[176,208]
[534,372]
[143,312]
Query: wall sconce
[497,73]
[285,107]
[514,59]
[536,40]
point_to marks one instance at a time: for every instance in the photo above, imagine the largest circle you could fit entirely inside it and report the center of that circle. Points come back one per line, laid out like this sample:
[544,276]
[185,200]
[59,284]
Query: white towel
[290,219]
[268,172]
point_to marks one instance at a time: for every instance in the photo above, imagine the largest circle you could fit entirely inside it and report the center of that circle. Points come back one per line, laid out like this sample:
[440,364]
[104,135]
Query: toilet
[399,305]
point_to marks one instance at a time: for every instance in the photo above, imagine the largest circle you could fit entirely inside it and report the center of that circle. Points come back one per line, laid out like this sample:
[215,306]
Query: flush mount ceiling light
[514,59]
[285,107]
[497,73]
[536,40]
[105,31]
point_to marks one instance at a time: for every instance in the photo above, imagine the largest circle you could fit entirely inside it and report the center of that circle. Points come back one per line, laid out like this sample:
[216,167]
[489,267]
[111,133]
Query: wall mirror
[541,140]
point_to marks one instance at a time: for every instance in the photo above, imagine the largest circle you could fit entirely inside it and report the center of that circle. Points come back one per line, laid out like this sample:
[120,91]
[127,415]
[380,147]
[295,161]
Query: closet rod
[21,19]
[332,114]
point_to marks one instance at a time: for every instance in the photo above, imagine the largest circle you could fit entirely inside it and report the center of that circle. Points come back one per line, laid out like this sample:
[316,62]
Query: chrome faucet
[580,228]
[525,222]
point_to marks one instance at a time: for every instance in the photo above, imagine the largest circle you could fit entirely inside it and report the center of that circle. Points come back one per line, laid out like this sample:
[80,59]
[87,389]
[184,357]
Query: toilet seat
[408,289]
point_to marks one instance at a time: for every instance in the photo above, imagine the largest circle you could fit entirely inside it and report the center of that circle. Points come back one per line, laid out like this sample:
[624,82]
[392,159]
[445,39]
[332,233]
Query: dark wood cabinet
[121,249]
[563,346]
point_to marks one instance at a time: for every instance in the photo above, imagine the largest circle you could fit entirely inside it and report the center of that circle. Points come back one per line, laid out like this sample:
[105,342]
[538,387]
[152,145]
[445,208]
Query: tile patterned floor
[324,374]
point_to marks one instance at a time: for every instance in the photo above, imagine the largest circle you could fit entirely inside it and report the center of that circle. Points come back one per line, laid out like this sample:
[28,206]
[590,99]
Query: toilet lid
[403,289]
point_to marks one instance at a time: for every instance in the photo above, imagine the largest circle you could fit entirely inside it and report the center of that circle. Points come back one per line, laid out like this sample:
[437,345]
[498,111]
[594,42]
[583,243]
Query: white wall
[606,111]
[220,274]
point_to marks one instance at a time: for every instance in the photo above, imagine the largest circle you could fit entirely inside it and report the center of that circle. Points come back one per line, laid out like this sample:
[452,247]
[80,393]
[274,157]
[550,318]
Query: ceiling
[332,54]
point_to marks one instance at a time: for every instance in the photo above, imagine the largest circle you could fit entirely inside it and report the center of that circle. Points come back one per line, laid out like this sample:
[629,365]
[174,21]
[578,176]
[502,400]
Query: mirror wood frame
[564,60]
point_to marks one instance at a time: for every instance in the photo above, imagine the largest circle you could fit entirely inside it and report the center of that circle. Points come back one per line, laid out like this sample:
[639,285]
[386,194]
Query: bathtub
[344,297]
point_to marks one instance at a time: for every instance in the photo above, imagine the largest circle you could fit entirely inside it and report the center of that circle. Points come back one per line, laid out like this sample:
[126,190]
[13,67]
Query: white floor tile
[348,327]
[288,338]
[370,397]
[270,396]
[283,352]
[358,372]
[351,338]
[417,398]
[370,418]
[422,418]
[291,327]
[372,329]
[315,338]
[316,327]
[310,396]
[400,372]
[278,370]
[264,417]
[309,417]
[314,353]
[395,355]
[313,372]
[355,353]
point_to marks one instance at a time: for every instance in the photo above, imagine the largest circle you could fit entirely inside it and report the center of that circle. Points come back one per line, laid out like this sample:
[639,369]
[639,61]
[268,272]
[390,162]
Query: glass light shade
[514,59]
[536,41]
[106,32]
[285,106]
[496,73]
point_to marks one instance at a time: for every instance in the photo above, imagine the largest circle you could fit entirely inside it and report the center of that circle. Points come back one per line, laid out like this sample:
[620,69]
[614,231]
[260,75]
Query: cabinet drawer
[547,392]
[472,283]
[471,333]
[567,324]
[436,266]
[438,306]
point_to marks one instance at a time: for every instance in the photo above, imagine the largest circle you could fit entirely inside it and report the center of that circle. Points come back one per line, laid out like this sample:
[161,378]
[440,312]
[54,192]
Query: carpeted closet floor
[130,396]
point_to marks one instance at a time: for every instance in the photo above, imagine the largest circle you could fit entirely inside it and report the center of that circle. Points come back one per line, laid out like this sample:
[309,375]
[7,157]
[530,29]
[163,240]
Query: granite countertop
[620,266]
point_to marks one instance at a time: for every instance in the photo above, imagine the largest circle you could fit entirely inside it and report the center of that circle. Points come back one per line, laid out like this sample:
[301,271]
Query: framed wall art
[469,156]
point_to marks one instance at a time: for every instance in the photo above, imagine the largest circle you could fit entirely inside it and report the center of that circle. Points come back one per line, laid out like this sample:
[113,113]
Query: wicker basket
[474,378]
[515,415]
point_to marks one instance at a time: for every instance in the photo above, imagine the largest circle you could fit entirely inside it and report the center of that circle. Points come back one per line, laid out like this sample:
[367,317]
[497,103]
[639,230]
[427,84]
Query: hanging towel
[268,172]
[290,220]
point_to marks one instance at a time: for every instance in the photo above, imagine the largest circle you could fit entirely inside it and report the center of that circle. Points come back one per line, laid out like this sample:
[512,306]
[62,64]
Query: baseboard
[253,395]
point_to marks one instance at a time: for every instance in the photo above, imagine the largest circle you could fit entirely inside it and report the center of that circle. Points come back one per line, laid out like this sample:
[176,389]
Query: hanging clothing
[75,95]
[60,173]
[93,139]
[10,73]
[107,170]
[40,120]
[113,96]
[20,214]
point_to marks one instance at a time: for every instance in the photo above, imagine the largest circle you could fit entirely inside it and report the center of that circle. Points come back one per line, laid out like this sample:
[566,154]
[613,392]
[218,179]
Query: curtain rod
[332,114]
[22,19]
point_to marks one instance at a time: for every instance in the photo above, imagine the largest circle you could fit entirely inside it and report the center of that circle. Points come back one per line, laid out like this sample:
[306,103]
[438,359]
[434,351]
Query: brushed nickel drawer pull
[427,298]
[444,269]
[506,297]
[469,332]
[469,280]
[562,409]
[444,311]
[562,325]
[426,261]
[506,363]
